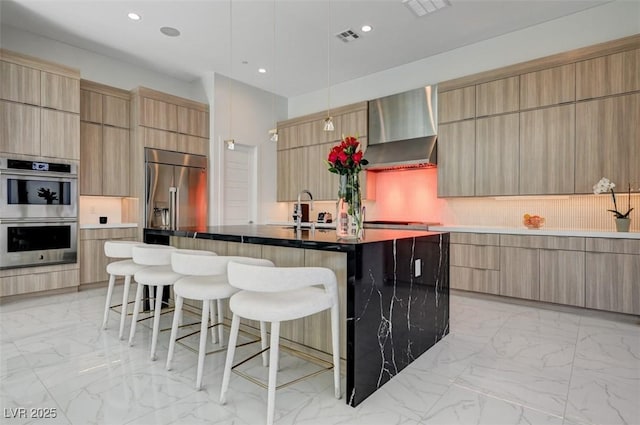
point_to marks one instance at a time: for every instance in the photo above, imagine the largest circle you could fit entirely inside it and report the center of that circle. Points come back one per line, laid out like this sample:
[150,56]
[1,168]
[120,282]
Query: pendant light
[328,122]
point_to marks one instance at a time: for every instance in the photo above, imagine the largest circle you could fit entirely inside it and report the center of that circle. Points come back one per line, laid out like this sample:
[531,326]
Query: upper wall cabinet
[611,74]
[548,87]
[158,114]
[497,97]
[19,83]
[457,105]
[496,163]
[59,92]
[456,158]
[90,106]
[115,111]
[193,122]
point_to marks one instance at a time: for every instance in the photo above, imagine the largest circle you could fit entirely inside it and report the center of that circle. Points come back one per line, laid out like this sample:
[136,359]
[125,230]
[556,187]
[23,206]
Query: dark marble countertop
[286,236]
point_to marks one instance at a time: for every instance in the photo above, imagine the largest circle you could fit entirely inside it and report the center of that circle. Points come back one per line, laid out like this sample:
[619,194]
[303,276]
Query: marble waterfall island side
[394,287]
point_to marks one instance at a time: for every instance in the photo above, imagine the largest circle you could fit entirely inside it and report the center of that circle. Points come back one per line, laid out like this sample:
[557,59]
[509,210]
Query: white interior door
[239,185]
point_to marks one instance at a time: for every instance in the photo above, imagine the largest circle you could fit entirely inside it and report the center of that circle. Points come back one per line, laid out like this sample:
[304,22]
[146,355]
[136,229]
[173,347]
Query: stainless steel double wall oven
[38,213]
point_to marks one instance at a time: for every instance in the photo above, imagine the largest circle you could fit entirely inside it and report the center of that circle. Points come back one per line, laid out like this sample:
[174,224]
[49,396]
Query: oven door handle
[44,174]
[46,220]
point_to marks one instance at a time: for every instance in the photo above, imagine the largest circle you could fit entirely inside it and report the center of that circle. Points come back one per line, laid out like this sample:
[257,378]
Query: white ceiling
[296,56]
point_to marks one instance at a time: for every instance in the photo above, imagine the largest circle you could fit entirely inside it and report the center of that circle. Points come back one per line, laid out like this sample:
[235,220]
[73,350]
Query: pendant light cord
[328,59]
[230,68]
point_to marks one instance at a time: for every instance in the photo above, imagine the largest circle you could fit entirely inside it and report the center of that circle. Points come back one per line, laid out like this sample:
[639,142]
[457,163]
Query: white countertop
[107,225]
[545,231]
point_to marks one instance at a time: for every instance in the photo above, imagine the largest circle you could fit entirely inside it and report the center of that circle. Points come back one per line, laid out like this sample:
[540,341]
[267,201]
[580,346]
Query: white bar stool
[276,294]
[206,281]
[158,274]
[126,268]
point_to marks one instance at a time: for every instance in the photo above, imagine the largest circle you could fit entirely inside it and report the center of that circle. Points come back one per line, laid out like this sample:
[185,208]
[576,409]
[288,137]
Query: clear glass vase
[349,207]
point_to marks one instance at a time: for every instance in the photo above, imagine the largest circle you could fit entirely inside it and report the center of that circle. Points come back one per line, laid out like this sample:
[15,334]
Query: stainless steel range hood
[402,130]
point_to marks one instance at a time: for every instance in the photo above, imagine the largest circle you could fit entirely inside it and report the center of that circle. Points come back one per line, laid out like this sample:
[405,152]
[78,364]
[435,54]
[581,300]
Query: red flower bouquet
[346,157]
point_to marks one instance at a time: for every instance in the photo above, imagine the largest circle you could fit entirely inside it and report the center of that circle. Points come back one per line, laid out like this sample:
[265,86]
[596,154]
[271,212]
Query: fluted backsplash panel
[571,212]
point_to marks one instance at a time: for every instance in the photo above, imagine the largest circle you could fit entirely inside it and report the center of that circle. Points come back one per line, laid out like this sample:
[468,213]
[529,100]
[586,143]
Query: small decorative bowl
[533,221]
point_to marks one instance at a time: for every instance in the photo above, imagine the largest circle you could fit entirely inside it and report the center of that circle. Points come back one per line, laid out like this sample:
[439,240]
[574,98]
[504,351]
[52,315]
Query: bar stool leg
[136,310]
[263,343]
[202,350]
[212,314]
[174,329]
[107,305]
[220,320]
[125,303]
[231,349]
[335,345]
[273,370]
[156,321]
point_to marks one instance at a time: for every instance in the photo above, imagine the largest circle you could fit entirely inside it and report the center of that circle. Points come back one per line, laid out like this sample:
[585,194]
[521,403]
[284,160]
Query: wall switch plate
[417,269]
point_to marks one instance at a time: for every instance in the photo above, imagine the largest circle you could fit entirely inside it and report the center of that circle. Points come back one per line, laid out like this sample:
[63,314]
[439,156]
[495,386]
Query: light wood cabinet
[160,139]
[612,282]
[93,262]
[19,83]
[287,137]
[90,106]
[497,155]
[606,75]
[60,134]
[475,256]
[193,144]
[349,124]
[547,151]
[193,122]
[292,174]
[115,160]
[456,159]
[158,114]
[607,141]
[91,172]
[476,280]
[520,273]
[115,111]
[497,97]
[475,262]
[19,128]
[320,182]
[562,277]
[457,105]
[60,92]
[548,87]
[312,133]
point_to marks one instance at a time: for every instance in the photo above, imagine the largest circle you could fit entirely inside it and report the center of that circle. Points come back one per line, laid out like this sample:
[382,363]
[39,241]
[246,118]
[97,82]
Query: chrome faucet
[298,212]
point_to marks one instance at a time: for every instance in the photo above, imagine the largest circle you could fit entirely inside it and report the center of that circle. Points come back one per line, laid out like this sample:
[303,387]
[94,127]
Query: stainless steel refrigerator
[176,189]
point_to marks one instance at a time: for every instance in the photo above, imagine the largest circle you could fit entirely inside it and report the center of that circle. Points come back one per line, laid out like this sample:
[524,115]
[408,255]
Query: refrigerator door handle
[173,208]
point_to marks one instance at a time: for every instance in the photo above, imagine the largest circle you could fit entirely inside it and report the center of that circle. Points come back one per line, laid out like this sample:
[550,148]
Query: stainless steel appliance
[176,189]
[402,130]
[36,242]
[35,189]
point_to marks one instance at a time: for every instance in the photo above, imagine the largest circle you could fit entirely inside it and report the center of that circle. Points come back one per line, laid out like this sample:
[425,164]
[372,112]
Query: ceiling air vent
[424,7]
[347,35]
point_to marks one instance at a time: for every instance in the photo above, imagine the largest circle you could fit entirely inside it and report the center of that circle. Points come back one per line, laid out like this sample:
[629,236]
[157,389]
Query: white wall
[246,114]
[96,67]
[599,24]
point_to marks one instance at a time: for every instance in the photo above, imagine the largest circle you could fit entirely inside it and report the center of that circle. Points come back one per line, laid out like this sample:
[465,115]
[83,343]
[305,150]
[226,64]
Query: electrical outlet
[417,269]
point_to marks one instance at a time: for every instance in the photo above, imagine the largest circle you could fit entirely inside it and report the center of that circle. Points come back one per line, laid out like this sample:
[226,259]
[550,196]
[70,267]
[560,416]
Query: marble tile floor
[502,363]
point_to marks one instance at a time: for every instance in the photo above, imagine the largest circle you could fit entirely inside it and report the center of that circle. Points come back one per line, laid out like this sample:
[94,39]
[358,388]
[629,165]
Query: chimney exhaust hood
[402,130]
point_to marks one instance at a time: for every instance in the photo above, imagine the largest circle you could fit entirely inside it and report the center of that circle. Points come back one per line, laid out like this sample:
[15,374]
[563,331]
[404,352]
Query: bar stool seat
[205,287]
[278,307]
[126,268]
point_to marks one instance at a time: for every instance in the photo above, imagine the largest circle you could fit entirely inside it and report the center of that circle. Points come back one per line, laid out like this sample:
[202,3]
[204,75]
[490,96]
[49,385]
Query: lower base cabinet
[93,262]
[613,282]
[520,273]
[562,277]
[477,280]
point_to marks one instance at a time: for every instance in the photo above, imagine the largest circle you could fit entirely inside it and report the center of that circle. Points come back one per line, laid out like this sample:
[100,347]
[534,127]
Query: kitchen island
[393,285]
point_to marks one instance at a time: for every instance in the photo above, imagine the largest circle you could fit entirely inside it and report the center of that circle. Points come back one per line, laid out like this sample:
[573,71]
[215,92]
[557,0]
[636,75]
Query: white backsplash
[94,207]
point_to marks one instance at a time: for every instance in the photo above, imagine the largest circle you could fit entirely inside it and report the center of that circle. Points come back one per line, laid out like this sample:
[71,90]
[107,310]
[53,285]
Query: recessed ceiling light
[366,28]
[134,16]
[169,31]
[262,70]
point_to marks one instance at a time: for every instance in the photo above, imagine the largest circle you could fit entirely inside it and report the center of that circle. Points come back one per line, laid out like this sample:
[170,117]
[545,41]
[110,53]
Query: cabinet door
[158,114]
[90,106]
[547,151]
[291,174]
[562,277]
[608,141]
[311,133]
[456,159]
[548,87]
[60,134]
[93,262]
[160,139]
[91,159]
[321,183]
[19,83]
[193,122]
[457,105]
[59,92]
[116,111]
[19,128]
[497,97]
[612,282]
[287,137]
[475,256]
[519,273]
[350,124]
[606,75]
[193,144]
[477,280]
[497,155]
[115,161]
